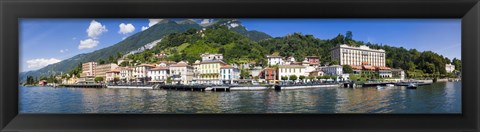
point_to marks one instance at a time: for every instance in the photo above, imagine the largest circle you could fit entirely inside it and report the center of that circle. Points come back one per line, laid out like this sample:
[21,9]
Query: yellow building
[209,71]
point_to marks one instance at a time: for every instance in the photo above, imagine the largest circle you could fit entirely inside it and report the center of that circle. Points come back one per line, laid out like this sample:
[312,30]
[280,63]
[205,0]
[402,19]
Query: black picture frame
[12,10]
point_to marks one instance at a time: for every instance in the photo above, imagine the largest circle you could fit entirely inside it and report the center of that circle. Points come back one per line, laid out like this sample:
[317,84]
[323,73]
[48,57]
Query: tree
[429,68]
[245,73]
[101,61]
[354,77]
[293,77]
[116,79]
[319,77]
[124,64]
[411,66]
[119,55]
[334,62]
[340,39]
[302,77]
[111,59]
[169,80]
[30,80]
[191,31]
[284,78]
[310,78]
[256,78]
[347,69]
[457,63]
[98,79]
[334,77]
[348,36]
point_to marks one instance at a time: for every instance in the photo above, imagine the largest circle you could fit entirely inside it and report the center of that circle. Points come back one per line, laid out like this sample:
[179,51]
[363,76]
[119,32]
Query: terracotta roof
[357,67]
[369,67]
[116,70]
[383,68]
[150,65]
[125,68]
[226,67]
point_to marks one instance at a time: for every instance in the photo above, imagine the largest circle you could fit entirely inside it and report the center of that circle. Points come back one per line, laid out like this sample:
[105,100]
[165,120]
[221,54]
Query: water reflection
[437,98]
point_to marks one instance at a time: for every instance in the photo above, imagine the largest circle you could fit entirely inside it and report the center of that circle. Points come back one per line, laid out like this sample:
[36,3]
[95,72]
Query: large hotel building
[101,70]
[88,70]
[357,56]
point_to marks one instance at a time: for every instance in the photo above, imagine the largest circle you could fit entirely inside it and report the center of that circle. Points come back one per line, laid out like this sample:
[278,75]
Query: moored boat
[380,87]
[412,86]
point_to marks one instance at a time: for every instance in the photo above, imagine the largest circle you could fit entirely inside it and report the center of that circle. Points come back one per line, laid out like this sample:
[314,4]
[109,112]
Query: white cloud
[144,28]
[153,22]
[39,63]
[96,29]
[63,50]
[88,43]
[126,28]
[206,21]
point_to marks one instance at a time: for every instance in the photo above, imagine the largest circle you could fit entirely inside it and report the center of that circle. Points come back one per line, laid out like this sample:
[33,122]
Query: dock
[83,85]
[376,84]
[305,86]
[416,83]
[131,86]
[183,87]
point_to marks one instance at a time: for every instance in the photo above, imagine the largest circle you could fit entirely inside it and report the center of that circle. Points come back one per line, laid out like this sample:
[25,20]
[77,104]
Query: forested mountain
[217,38]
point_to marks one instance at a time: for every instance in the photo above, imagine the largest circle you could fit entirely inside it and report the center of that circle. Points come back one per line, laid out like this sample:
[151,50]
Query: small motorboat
[412,86]
[380,87]
[390,85]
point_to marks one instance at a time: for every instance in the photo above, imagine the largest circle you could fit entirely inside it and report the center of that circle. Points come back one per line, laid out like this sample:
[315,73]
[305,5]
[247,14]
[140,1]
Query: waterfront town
[353,63]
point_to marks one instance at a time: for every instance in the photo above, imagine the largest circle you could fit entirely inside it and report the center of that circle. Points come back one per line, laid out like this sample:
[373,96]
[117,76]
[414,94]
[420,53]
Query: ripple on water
[437,98]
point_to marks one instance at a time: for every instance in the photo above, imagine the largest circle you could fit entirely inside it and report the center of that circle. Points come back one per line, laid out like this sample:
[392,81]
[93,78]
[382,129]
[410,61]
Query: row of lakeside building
[213,70]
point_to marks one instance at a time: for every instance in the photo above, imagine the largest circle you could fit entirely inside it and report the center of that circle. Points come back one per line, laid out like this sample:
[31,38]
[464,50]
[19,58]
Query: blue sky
[46,41]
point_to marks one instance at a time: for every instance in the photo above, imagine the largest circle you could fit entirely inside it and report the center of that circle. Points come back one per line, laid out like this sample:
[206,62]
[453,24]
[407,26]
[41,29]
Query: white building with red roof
[181,73]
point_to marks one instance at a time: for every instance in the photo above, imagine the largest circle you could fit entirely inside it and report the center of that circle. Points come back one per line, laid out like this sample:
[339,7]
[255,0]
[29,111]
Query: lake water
[443,97]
